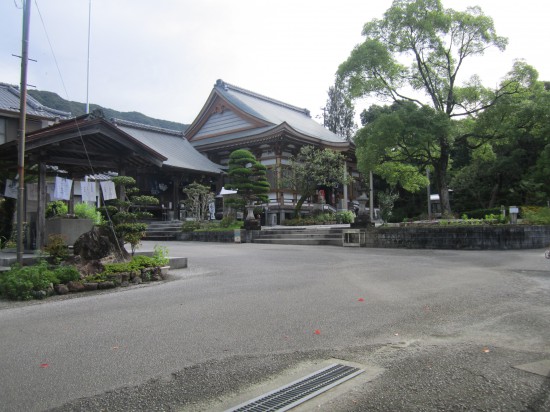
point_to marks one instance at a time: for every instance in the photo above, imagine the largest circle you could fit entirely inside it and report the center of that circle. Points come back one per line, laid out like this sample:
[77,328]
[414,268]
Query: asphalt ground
[434,330]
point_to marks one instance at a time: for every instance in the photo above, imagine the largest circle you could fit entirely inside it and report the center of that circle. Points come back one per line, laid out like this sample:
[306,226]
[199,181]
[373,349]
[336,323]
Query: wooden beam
[61,161]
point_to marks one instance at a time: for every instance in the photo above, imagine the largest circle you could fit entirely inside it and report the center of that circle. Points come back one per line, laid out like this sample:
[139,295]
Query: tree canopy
[248,177]
[339,112]
[311,168]
[507,158]
[415,54]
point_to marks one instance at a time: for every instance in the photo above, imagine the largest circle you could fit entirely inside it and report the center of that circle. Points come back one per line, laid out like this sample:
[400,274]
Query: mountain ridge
[55,101]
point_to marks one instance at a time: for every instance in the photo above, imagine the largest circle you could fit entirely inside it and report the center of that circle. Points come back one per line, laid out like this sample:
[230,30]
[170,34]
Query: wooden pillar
[71,197]
[279,174]
[175,186]
[346,199]
[41,208]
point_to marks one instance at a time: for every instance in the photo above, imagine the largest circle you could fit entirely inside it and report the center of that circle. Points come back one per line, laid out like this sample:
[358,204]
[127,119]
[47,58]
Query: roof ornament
[221,83]
[97,114]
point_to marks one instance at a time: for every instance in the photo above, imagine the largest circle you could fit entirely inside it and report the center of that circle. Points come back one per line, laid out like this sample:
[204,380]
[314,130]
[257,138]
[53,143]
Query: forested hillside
[57,102]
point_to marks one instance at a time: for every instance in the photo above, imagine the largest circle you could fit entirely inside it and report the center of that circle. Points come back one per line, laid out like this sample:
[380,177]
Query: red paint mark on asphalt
[44,365]
[317,332]
[361,300]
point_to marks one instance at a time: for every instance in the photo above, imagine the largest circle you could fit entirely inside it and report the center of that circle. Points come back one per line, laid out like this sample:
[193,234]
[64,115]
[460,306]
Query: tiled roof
[171,144]
[9,101]
[275,112]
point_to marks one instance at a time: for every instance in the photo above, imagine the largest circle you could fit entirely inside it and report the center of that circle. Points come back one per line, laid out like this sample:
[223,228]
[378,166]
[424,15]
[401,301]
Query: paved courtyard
[433,330]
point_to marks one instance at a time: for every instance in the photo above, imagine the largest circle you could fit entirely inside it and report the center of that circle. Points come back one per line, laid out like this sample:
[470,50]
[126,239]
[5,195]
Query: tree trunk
[441,168]
[494,194]
[298,207]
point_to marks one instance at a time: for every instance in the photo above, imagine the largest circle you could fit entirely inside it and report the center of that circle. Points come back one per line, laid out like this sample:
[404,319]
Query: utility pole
[88,63]
[22,129]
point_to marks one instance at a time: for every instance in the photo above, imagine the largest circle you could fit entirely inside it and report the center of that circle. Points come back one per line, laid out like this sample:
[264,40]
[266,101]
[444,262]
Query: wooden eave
[275,134]
[88,146]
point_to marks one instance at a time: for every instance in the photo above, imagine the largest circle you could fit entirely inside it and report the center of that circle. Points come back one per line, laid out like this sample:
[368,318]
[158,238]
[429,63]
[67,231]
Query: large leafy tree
[339,112]
[248,177]
[312,168]
[415,54]
[512,167]
[396,142]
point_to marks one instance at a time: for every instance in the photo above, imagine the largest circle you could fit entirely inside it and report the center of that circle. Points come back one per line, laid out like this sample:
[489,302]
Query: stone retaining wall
[224,237]
[499,237]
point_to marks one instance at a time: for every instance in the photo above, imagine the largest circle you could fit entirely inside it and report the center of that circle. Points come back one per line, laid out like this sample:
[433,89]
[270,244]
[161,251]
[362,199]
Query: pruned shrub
[536,215]
[56,208]
[87,211]
[57,248]
[23,282]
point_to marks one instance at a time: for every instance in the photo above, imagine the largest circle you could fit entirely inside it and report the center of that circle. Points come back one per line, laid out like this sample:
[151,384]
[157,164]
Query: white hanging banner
[32,191]
[62,189]
[11,188]
[108,189]
[88,191]
[49,190]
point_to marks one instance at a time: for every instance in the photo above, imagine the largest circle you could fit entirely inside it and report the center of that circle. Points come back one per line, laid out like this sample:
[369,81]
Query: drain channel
[295,393]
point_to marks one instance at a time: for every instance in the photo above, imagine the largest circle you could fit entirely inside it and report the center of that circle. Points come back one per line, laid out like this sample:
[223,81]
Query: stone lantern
[363,217]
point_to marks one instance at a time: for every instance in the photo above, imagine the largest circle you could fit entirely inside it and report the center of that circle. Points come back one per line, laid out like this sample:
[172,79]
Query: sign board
[237,236]
[514,209]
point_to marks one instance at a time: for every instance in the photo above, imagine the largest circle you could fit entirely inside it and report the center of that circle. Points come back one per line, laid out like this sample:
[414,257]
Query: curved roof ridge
[227,86]
[146,127]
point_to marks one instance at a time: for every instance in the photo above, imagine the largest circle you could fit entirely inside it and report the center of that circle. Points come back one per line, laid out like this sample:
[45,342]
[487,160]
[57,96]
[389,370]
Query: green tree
[311,168]
[386,200]
[396,142]
[125,213]
[513,166]
[339,112]
[417,50]
[198,198]
[248,177]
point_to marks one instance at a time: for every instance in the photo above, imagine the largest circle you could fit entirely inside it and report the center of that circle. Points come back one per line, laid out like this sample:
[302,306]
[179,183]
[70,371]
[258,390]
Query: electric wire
[79,132]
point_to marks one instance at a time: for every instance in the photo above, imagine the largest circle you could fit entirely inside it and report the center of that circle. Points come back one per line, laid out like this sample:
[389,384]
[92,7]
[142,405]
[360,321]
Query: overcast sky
[162,58]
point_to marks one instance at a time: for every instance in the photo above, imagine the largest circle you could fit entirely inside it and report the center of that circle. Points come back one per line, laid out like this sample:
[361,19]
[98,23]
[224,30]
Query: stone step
[301,236]
[163,230]
[300,241]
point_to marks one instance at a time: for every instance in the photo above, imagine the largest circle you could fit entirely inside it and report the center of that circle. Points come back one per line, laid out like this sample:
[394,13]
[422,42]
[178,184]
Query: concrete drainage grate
[295,393]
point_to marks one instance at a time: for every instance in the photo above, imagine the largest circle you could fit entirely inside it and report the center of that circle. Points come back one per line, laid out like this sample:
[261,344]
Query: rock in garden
[106,285]
[90,286]
[39,294]
[136,280]
[75,286]
[99,243]
[61,289]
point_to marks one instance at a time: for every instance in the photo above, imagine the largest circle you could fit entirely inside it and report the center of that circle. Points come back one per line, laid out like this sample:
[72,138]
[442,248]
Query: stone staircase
[163,230]
[301,236]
